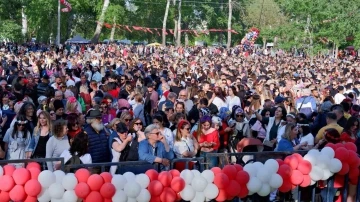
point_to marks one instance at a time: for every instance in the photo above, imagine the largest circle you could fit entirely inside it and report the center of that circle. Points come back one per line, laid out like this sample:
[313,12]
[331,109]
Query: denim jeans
[213,161]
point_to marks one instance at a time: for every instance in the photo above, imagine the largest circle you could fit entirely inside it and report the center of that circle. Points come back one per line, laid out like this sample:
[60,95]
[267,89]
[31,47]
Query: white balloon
[188,193]
[131,200]
[211,191]
[254,185]
[1,171]
[328,151]
[311,158]
[327,174]
[70,196]
[132,189]
[118,181]
[119,196]
[335,165]
[144,196]
[259,166]
[69,182]
[323,161]
[199,196]
[312,182]
[59,174]
[250,169]
[264,176]
[314,151]
[56,191]
[143,180]
[187,175]
[44,195]
[57,200]
[196,172]
[207,199]
[208,175]
[130,177]
[199,183]
[46,178]
[275,181]
[272,166]
[265,190]
[316,173]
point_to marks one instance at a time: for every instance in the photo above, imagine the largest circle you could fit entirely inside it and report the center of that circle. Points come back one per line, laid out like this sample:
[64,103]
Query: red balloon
[17,193]
[353,158]
[339,181]
[4,196]
[305,167]
[82,175]
[95,182]
[297,177]
[34,172]
[94,196]
[82,190]
[9,170]
[280,162]
[297,156]
[306,182]
[32,188]
[345,169]
[285,171]
[107,200]
[286,186]
[155,199]
[294,162]
[106,176]
[221,180]
[168,195]
[155,188]
[6,183]
[33,165]
[331,145]
[342,154]
[238,167]
[107,190]
[21,176]
[230,171]
[242,177]
[243,192]
[354,173]
[287,160]
[221,196]
[152,174]
[350,146]
[234,189]
[165,178]
[177,184]
[31,199]
[339,145]
[174,173]
[216,170]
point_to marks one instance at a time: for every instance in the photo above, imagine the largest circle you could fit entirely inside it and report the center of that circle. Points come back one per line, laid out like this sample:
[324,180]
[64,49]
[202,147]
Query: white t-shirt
[338,98]
[85,159]
[168,134]
[219,103]
[186,144]
[309,138]
[231,101]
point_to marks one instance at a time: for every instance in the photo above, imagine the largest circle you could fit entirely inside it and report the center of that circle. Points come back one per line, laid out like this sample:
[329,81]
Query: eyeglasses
[139,124]
[127,120]
[239,115]
[158,133]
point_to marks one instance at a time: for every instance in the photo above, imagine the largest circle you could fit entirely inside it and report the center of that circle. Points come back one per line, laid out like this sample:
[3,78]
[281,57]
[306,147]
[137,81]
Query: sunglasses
[127,120]
[139,124]
[239,115]
[158,133]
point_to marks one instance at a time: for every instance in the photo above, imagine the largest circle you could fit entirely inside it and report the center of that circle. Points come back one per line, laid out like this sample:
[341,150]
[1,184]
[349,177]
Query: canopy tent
[125,42]
[78,39]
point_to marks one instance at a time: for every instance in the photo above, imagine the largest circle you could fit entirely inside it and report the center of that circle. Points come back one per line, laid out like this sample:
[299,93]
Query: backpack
[236,138]
[74,160]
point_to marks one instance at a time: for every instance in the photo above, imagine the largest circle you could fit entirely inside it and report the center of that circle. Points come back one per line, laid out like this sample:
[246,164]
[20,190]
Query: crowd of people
[111,103]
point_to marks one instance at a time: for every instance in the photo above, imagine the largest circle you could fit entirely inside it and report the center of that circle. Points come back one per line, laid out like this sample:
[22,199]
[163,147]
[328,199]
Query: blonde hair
[48,122]
[71,107]
[289,127]
[124,115]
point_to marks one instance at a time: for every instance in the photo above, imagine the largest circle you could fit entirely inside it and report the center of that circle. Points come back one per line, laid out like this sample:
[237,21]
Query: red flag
[127,27]
[195,32]
[67,5]
[148,29]
[233,31]
[171,31]
[157,32]
[107,25]
[137,28]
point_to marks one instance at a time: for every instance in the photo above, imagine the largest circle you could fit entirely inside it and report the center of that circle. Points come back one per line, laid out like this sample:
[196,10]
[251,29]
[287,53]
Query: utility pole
[178,40]
[229,25]
[58,26]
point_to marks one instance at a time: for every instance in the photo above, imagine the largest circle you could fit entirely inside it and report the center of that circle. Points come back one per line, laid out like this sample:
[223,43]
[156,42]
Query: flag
[67,5]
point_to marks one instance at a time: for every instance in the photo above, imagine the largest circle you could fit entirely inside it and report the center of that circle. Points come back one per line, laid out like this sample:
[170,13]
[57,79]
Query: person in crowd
[306,135]
[286,142]
[232,99]
[158,120]
[139,107]
[339,111]
[155,148]
[59,109]
[331,121]
[126,117]
[28,111]
[306,103]
[175,120]
[74,126]
[136,130]
[218,98]
[57,143]
[188,104]
[350,131]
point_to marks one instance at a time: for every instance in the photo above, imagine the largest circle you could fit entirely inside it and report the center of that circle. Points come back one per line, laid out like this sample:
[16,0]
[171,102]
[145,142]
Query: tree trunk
[100,23]
[113,30]
[178,40]
[229,26]
[164,23]
[264,43]
[186,39]
[336,51]
[175,31]
[24,22]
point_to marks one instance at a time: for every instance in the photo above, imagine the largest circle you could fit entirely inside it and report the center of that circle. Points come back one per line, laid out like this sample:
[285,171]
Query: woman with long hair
[28,111]
[73,125]
[57,143]
[42,133]
[16,140]
[126,117]
[208,139]
[139,107]
[232,99]
[286,142]
[350,131]
[136,129]
[218,98]
[305,135]
[72,106]
[158,119]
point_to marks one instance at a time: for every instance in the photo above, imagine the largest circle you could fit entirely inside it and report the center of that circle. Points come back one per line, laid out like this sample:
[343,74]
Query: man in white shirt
[339,97]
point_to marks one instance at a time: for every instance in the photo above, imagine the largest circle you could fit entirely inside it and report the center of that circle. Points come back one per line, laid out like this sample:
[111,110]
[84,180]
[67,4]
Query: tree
[164,23]
[178,38]
[10,30]
[229,25]
[100,22]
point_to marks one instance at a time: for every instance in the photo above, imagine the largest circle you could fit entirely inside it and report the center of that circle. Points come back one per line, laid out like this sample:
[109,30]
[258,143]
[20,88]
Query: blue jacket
[284,145]
[98,145]
[146,152]
[34,142]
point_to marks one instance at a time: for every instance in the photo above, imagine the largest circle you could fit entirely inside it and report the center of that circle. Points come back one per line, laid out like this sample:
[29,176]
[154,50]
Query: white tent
[77,39]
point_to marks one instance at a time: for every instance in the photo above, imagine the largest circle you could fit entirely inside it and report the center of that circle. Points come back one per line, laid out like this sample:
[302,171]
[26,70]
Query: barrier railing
[40,160]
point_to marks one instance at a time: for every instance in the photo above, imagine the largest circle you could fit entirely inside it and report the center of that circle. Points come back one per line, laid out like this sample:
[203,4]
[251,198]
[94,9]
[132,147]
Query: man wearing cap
[98,142]
[169,102]
[306,103]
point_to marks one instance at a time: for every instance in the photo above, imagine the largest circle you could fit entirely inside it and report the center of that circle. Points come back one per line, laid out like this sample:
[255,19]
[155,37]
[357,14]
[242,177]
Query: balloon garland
[249,39]
[29,184]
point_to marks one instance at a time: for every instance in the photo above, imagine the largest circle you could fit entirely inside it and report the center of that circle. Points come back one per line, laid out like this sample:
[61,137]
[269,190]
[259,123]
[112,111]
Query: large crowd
[111,103]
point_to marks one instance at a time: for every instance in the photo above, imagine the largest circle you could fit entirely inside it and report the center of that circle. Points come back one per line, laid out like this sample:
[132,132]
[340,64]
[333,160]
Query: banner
[67,5]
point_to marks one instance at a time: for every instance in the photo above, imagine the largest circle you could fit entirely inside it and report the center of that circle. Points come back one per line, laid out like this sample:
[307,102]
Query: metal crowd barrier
[41,160]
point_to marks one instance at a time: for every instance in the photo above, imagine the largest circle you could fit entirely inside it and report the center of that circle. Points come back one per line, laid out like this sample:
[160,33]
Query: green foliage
[10,30]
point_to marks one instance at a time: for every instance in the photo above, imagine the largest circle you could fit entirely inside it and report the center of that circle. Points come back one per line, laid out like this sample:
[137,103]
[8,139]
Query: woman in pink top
[208,139]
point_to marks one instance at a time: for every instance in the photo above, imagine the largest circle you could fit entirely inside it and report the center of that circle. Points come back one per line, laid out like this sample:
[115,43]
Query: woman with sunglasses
[126,117]
[136,129]
[42,133]
[159,120]
[107,117]
[74,126]
[16,140]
